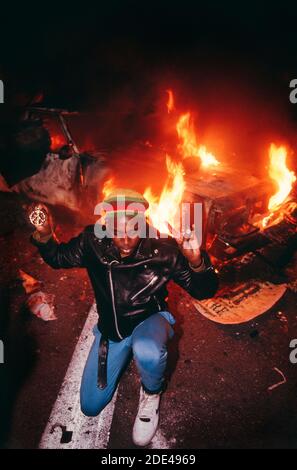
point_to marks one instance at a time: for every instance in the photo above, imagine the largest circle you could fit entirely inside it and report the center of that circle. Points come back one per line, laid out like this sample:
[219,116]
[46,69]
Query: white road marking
[87,433]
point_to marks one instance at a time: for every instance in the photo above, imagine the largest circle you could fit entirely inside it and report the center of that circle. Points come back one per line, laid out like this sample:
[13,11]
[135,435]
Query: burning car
[241,212]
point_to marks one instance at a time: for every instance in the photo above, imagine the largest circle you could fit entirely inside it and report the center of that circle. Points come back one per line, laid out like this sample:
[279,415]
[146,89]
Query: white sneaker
[147,419]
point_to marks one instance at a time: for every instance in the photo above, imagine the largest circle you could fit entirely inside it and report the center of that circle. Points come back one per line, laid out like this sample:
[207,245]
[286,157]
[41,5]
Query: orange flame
[188,146]
[108,187]
[166,207]
[284,178]
[57,141]
[279,172]
[170,101]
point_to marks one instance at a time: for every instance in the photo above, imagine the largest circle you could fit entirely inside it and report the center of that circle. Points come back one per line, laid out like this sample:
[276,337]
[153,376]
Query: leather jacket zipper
[112,300]
[154,278]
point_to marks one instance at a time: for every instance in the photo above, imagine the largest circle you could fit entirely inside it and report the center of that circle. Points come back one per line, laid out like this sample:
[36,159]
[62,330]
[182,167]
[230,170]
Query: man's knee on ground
[91,407]
[147,353]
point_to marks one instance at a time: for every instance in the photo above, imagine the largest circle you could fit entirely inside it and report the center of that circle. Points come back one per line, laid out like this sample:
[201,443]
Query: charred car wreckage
[238,228]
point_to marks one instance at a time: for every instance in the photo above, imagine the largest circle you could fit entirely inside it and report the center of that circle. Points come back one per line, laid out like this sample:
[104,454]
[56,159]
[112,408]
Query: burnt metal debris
[230,201]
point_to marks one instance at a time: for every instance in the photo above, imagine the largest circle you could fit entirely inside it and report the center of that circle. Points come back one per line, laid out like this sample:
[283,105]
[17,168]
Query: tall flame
[284,178]
[279,172]
[166,207]
[188,146]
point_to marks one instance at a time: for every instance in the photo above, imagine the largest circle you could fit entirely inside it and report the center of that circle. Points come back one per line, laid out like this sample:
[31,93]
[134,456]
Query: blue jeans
[147,344]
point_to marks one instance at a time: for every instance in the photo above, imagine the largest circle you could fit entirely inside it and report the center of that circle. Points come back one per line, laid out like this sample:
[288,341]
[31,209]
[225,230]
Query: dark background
[81,56]
[229,62]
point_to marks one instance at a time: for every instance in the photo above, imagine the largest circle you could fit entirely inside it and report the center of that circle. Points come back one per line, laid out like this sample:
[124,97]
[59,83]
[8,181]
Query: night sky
[82,55]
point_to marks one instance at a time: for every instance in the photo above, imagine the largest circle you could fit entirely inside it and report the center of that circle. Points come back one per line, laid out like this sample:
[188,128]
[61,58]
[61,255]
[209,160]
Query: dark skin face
[126,244]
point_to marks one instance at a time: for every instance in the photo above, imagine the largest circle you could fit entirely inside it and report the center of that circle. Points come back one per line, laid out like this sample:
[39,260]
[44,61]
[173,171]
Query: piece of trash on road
[42,305]
[30,284]
[241,302]
[272,387]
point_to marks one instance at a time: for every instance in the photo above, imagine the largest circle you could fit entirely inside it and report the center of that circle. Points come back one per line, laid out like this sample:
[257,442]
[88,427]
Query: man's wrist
[198,266]
[42,238]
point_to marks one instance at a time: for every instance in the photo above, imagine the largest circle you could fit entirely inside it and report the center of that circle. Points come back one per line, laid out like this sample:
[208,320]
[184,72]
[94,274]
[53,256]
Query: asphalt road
[218,394]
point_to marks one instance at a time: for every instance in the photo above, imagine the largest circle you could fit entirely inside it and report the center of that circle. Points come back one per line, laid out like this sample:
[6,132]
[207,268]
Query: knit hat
[125,201]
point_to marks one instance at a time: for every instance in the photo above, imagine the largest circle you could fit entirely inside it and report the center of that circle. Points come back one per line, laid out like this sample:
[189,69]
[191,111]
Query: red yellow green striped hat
[125,201]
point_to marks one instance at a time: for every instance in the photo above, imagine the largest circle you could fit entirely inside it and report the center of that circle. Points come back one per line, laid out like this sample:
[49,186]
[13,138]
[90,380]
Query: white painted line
[87,433]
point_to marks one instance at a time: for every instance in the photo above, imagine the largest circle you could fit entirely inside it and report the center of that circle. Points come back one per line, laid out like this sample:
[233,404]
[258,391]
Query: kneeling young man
[129,275]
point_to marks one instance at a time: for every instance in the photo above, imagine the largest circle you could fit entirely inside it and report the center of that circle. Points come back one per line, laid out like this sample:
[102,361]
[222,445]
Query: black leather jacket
[129,290]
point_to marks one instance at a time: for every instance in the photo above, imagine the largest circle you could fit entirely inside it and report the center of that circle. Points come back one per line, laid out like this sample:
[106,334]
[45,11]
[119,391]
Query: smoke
[231,70]
[238,109]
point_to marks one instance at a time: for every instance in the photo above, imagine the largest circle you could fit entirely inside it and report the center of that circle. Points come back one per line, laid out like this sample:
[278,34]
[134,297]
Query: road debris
[42,305]
[272,387]
[30,284]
